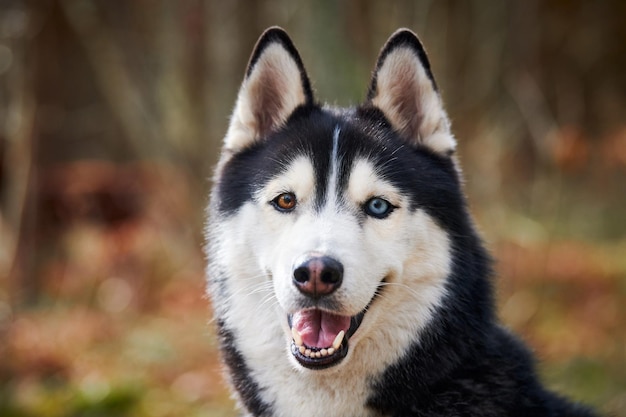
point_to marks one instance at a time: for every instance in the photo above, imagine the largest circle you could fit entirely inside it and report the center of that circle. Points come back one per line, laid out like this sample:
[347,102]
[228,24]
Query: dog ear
[404,89]
[274,86]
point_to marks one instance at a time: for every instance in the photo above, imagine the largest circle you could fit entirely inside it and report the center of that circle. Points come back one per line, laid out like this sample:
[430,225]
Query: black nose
[318,276]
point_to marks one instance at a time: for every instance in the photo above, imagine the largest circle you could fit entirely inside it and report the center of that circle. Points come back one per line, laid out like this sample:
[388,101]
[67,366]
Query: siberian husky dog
[346,275]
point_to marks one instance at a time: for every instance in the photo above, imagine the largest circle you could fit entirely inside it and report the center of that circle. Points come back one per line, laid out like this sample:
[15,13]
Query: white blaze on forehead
[365,182]
[298,178]
[331,190]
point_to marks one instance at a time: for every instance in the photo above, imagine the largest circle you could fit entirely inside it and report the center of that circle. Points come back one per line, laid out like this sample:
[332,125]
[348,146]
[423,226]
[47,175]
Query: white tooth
[318,355]
[307,352]
[331,350]
[338,340]
[324,352]
[302,349]
[296,337]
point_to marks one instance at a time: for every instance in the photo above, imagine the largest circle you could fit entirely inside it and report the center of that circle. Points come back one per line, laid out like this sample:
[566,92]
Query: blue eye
[378,207]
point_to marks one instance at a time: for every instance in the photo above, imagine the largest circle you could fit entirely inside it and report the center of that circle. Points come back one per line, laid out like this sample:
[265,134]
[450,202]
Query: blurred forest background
[111,115]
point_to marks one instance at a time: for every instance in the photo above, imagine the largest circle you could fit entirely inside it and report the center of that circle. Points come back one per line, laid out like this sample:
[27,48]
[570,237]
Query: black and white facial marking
[342,188]
[329,232]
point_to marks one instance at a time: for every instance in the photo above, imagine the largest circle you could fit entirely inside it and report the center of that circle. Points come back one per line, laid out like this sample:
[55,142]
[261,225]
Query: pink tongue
[319,328]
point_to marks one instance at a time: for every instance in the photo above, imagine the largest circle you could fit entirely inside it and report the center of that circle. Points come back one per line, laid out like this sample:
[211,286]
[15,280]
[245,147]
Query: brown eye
[285,202]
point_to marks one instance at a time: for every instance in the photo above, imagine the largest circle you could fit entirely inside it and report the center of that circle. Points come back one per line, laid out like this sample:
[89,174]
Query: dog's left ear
[404,89]
[274,86]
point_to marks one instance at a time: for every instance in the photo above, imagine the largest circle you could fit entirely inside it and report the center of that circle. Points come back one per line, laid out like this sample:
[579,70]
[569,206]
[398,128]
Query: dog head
[334,222]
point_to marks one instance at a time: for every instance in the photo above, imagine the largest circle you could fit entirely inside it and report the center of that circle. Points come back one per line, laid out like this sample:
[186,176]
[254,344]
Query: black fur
[240,374]
[466,364]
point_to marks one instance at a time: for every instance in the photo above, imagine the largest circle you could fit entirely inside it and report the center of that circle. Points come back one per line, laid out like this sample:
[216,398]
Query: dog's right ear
[274,86]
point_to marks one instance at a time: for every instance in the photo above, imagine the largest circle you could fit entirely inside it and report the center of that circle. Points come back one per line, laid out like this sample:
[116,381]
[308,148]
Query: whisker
[255,288]
[397,284]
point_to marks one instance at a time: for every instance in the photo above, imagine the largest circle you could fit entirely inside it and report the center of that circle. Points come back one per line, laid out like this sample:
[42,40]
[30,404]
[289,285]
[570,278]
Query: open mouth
[320,339]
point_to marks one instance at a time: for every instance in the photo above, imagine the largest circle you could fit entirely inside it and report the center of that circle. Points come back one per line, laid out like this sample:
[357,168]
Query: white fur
[257,247]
